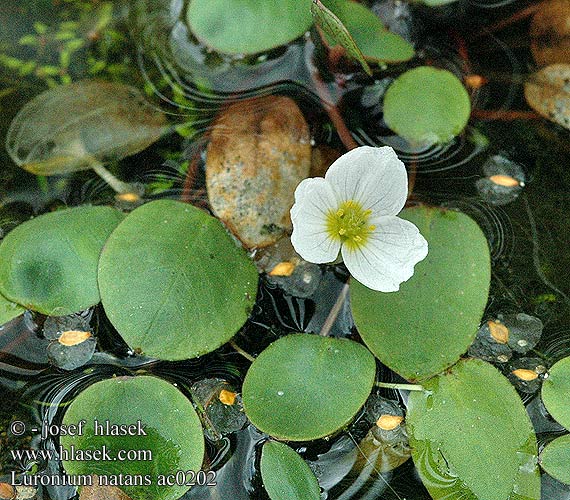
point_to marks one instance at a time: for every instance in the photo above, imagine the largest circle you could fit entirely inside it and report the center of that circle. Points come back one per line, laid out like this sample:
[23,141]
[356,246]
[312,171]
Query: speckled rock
[548,93]
[258,153]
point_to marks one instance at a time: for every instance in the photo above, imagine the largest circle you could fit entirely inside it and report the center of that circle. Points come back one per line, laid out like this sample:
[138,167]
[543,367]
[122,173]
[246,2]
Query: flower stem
[403,387]
[238,349]
[331,318]
[118,186]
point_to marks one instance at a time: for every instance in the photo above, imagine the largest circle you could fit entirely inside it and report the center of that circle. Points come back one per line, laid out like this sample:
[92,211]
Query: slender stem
[238,349]
[518,16]
[504,115]
[118,186]
[331,318]
[403,387]
[333,112]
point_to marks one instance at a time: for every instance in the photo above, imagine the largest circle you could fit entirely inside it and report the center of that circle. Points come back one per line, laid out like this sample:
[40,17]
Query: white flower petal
[375,177]
[389,255]
[314,198]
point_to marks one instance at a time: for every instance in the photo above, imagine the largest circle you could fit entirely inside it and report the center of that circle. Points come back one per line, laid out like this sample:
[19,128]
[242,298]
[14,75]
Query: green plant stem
[403,387]
[238,349]
[118,186]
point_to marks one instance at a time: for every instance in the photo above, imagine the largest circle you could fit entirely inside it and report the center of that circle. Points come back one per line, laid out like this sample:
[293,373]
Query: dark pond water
[145,45]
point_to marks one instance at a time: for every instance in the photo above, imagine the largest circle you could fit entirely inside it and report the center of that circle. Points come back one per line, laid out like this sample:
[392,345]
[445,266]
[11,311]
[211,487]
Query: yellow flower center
[349,224]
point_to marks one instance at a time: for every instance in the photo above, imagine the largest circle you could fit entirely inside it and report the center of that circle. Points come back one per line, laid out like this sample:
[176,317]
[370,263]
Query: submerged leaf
[333,27]
[72,127]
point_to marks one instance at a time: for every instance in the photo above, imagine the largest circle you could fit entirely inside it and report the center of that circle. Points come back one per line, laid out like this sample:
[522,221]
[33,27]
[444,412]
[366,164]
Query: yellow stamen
[348,223]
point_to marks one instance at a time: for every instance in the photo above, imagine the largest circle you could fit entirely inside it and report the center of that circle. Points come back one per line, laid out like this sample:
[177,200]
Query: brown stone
[100,492]
[548,93]
[259,151]
[550,33]
[7,491]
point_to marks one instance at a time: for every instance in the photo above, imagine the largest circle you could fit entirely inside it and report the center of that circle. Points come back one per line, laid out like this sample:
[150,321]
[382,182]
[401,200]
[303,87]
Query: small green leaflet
[333,27]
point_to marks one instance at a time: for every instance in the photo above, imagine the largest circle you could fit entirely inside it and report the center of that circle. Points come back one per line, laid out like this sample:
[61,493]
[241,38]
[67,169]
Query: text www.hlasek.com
[72,454]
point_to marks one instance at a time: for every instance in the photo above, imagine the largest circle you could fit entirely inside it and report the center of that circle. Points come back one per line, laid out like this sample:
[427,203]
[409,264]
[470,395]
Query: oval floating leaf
[173,282]
[305,387]
[427,106]
[286,476]
[548,93]
[419,333]
[471,436]
[248,26]
[555,458]
[49,264]
[259,151]
[169,429]
[71,127]
[555,390]
[8,310]
[368,33]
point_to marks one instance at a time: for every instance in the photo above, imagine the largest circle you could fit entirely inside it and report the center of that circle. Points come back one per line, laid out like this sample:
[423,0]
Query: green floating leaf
[369,34]
[427,106]
[173,435]
[417,332]
[305,387]
[555,457]
[555,391]
[471,437]
[337,32]
[72,127]
[286,476]
[248,26]
[8,310]
[173,282]
[49,264]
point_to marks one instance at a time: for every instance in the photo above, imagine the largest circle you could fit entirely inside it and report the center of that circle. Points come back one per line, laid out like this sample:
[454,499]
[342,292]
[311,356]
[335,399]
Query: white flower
[353,210]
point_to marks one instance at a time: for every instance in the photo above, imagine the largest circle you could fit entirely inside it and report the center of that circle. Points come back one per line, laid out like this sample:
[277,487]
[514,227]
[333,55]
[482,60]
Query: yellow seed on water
[389,422]
[73,337]
[283,269]
[499,332]
[227,397]
[128,197]
[524,374]
[504,180]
